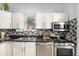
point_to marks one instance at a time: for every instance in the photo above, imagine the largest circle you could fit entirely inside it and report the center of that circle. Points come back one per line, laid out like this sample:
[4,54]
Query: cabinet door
[15,20]
[25,22]
[48,20]
[40,21]
[60,17]
[18,51]
[18,48]
[6,49]
[65,17]
[30,49]
[5,20]
[18,20]
[21,21]
[9,48]
[56,17]
[2,49]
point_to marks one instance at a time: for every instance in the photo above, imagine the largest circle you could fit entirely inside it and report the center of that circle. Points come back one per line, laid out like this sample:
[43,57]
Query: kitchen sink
[26,39]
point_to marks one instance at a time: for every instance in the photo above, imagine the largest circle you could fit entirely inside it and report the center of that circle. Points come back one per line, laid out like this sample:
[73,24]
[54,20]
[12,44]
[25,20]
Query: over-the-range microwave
[60,26]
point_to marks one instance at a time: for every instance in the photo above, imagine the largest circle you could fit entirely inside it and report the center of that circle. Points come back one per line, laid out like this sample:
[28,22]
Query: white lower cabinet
[6,49]
[30,49]
[18,51]
[18,48]
[24,49]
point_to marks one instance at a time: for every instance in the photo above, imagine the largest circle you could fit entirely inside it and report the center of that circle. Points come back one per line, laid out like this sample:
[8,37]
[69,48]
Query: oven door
[64,51]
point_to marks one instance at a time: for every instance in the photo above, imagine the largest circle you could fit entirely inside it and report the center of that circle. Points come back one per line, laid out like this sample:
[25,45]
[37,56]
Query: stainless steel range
[64,49]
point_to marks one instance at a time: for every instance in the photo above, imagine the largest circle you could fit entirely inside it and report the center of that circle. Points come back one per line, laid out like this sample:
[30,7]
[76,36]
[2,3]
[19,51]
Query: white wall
[32,8]
[70,8]
[0,6]
[78,29]
[36,7]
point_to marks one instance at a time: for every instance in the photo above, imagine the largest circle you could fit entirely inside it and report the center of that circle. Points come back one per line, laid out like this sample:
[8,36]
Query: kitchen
[38,30]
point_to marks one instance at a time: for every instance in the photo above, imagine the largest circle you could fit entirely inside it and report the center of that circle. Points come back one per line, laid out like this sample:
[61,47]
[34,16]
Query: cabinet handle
[22,49]
[10,25]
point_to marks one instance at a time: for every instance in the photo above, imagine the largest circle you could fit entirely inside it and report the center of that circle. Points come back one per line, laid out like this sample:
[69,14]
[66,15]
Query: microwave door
[56,26]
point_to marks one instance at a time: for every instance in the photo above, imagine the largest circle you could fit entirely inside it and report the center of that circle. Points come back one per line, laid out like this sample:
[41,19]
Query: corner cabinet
[6,48]
[5,20]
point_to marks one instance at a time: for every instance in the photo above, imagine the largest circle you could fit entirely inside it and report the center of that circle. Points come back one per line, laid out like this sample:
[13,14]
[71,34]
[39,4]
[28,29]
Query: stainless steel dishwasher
[44,48]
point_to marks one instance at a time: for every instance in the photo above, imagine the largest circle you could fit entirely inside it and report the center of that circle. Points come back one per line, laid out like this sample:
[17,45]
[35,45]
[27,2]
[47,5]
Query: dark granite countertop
[39,39]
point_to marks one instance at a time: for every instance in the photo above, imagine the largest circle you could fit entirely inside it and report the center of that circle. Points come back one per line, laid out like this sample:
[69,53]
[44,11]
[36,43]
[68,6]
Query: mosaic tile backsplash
[72,34]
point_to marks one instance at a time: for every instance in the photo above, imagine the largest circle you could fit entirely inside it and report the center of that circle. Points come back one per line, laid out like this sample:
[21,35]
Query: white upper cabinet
[15,20]
[5,20]
[43,20]
[60,17]
[48,20]
[25,22]
[39,20]
[18,20]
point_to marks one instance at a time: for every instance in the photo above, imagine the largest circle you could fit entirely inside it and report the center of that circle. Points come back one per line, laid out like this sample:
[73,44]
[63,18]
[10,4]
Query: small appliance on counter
[4,36]
[46,36]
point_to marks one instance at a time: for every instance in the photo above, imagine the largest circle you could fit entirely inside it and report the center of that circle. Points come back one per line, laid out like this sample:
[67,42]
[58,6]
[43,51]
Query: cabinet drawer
[30,44]
[18,44]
